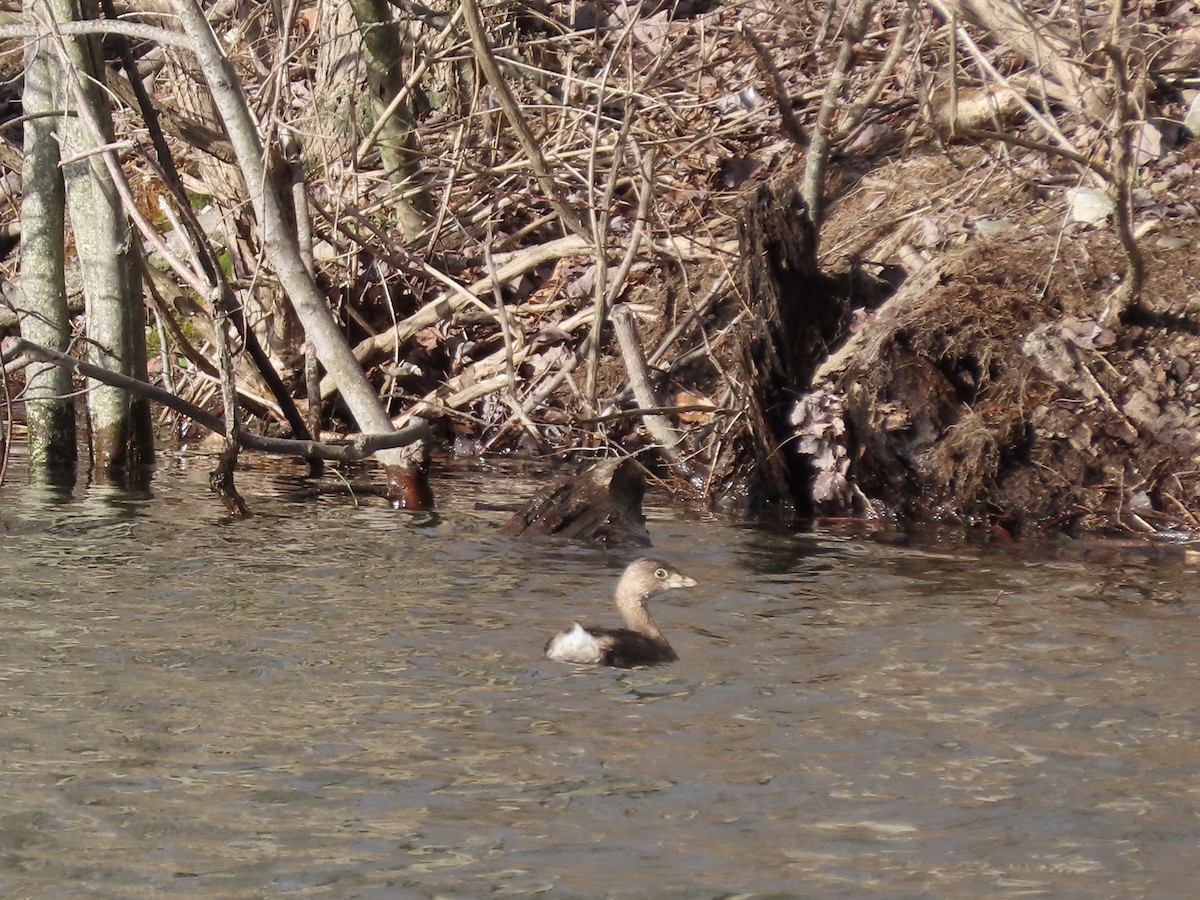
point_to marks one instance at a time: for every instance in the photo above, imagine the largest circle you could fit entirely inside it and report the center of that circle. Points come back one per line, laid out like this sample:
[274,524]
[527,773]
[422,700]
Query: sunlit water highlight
[341,700]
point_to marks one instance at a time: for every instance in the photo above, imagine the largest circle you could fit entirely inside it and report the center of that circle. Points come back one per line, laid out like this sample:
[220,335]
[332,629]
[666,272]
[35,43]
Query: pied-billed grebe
[640,643]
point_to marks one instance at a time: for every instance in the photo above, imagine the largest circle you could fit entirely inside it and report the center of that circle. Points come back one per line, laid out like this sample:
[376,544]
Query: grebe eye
[660,573]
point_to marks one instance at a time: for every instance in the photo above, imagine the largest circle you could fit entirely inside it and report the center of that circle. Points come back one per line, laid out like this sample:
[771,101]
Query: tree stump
[796,315]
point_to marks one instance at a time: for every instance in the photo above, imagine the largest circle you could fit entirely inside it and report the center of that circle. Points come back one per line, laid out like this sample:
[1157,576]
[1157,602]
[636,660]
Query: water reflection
[331,698]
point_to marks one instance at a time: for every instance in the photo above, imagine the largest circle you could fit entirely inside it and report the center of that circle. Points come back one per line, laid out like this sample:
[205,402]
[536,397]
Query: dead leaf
[693,417]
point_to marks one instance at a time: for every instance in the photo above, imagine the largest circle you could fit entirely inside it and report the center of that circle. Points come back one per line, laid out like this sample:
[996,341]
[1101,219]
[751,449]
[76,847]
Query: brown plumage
[639,643]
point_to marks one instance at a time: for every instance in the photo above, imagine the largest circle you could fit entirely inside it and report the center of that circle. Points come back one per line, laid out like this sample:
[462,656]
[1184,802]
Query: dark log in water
[602,505]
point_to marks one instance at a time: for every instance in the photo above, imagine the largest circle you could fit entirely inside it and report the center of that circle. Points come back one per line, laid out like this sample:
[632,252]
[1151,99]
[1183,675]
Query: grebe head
[648,576]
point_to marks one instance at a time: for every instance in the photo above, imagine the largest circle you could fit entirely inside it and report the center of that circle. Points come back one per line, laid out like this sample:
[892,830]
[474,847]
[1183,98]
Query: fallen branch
[1054,53]
[136,30]
[659,426]
[1045,122]
[455,300]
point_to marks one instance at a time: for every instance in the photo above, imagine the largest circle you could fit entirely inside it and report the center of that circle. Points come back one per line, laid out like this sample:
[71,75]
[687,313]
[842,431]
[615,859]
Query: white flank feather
[576,645]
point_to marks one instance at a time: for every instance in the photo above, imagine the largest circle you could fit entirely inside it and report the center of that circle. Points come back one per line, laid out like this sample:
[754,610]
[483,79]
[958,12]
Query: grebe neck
[637,618]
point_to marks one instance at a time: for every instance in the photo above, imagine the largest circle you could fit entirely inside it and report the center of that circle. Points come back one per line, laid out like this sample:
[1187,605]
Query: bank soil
[984,389]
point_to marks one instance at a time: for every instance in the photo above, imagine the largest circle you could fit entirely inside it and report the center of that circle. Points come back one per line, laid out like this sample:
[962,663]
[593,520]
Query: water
[338,700]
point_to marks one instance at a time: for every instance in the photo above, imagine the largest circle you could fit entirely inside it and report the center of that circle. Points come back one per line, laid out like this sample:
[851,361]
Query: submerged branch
[359,447]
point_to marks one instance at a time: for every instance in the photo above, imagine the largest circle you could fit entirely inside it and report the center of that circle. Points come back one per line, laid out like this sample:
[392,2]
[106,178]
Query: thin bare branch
[359,447]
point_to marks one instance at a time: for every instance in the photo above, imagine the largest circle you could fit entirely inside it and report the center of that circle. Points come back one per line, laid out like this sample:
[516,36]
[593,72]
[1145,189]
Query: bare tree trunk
[328,126]
[122,433]
[383,55]
[264,312]
[280,242]
[42,297]
[819,147]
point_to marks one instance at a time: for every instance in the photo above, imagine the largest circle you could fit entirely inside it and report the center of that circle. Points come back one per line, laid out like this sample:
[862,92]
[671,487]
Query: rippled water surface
[344,701]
